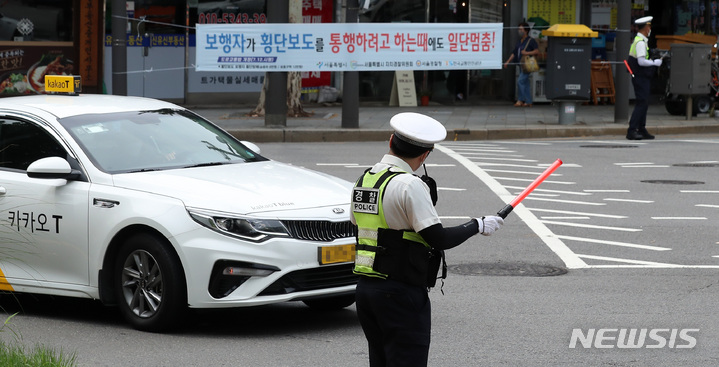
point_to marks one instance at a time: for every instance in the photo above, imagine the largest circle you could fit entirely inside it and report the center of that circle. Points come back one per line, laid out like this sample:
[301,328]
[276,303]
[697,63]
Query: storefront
[42,37]
[161,49]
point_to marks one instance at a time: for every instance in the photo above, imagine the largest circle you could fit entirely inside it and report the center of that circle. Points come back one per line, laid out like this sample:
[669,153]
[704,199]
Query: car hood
[243,188]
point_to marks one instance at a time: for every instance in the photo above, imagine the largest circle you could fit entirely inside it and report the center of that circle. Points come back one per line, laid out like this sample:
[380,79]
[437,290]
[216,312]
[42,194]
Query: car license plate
[336,254]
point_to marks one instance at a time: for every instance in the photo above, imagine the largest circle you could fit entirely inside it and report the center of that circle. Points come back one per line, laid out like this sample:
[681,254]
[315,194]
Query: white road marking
[449,189]
[679,218]
[506,159]
[492,164]
[565,201]
[536,194]
[615,243]
[462,217]
[531,180]
[488,150]
[652,166]
[563,218]
[466,146]
[571,260]
[700,141]
[609,191]
[707,206]
[336,164]
[578,213]
[592,226]
[518,172]
[641,165]
[523,143]
[699,191]
[641,264]
[492,154]
[564,165]
[604,142]
[630,200]
[548,190]
[439,165]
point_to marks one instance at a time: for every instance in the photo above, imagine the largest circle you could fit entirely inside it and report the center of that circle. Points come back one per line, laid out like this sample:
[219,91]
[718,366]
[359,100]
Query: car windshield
[154,140]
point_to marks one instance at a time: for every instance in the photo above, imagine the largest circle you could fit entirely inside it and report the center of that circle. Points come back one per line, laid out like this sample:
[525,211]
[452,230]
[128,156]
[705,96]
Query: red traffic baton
[538,181]
[628,68]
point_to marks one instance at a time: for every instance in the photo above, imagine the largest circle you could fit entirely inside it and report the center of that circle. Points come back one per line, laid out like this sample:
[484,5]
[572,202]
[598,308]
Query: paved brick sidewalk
[488,121]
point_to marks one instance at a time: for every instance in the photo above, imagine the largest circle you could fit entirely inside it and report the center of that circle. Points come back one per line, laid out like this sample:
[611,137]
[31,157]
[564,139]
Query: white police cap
[418,129]
[644,20]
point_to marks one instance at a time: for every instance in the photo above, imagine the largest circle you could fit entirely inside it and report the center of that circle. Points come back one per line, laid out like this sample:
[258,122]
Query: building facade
[47,36]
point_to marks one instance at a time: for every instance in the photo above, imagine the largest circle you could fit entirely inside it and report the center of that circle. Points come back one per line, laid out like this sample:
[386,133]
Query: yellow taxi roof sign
[570,30]
[65,84]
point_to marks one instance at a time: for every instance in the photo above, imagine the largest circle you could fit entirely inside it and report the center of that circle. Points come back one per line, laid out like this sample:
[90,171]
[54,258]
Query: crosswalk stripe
[614,243]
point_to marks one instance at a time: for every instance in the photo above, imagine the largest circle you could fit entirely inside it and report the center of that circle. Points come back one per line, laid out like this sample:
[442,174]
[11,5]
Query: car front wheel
[149,284]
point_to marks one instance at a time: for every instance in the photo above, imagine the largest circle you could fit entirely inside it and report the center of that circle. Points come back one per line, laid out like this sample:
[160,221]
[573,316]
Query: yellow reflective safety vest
[633,48]
[367,208]
[642,72]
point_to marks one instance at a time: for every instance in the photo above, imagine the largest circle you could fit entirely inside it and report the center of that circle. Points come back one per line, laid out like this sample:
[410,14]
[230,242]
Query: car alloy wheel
[142,283]
[150,283]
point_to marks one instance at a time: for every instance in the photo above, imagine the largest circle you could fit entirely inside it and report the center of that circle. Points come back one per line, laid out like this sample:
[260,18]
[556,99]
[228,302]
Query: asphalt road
[622,239]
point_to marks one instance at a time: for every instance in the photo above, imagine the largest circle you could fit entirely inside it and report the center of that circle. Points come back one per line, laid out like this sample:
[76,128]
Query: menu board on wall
[553,11]
[23,67]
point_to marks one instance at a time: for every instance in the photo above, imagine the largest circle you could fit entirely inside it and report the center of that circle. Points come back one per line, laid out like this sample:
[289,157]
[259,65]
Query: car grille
[311,279]
[314,230]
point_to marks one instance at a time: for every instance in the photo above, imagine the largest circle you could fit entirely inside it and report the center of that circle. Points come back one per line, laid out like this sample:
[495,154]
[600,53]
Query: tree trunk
[294,80]
[294,95]
[259,111]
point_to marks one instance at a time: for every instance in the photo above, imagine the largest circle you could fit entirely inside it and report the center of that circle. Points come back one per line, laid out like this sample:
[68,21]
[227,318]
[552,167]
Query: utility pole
[119,47]
[350,79]
[278,11]
[622,43]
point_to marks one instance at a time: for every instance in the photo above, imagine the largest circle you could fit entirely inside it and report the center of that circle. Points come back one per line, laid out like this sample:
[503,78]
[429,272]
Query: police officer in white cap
[401,243]
[644,69]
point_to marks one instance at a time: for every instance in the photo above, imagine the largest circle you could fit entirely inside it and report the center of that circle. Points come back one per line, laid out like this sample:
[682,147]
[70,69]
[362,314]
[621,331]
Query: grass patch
[39,356]
[16,355]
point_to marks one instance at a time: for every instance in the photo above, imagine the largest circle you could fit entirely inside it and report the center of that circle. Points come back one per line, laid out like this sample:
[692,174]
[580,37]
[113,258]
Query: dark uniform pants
[396,320]
[642,85]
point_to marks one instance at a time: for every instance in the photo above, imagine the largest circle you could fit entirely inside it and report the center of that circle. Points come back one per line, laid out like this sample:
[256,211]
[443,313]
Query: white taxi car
[145,205]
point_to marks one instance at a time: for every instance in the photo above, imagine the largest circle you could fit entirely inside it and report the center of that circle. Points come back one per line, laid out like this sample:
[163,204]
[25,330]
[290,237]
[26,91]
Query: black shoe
[634,135]
[646,135]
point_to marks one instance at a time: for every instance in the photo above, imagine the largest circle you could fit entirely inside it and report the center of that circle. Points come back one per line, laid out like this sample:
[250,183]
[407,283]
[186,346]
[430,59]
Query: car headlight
[251,229]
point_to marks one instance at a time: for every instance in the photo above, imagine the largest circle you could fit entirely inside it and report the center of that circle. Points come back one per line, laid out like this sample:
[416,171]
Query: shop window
[36,20]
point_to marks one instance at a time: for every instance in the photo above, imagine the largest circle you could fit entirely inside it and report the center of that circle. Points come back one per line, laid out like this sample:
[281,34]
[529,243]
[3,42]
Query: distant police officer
[644,69]
[400,244]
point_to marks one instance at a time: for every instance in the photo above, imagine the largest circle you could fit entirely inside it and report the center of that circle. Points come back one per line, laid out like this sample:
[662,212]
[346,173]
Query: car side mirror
[251,146]
[52,168]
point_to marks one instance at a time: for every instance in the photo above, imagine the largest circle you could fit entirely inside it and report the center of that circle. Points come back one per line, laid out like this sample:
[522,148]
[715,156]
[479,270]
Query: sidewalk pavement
[499,120]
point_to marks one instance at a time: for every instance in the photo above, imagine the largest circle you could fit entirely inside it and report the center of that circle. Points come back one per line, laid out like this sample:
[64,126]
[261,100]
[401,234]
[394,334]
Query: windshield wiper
[144,170]
[226,153]
[207,164]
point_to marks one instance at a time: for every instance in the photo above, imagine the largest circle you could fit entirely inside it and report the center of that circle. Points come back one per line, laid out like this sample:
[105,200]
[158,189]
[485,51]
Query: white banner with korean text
[348,46]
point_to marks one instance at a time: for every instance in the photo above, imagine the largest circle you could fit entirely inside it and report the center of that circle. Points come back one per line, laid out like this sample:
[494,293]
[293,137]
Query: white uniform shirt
[407,204]
[641,50]
[641,47]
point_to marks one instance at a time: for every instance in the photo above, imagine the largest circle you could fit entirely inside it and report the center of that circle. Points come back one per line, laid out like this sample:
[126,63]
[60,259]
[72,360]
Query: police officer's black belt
[361,247]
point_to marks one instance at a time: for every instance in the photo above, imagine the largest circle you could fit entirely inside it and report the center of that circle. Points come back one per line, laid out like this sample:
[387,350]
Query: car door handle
[2,190]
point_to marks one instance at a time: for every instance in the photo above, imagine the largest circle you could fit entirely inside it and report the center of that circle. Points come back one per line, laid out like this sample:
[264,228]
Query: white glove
[489,224]
[658,62]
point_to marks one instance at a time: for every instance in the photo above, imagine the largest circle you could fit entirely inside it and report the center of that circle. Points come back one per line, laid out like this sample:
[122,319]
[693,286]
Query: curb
[293,135]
